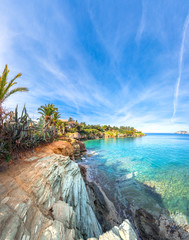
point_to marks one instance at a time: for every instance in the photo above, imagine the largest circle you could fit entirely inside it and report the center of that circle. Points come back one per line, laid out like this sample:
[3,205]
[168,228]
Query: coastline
[168,225]
[45,197]
[50,164]
[94,137]
[146,224]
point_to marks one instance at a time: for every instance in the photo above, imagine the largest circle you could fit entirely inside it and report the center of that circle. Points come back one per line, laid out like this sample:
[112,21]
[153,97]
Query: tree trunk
[63,130]
[1,119]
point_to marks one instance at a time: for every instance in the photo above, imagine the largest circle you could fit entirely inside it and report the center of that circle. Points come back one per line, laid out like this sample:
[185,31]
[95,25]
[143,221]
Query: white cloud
[180,66]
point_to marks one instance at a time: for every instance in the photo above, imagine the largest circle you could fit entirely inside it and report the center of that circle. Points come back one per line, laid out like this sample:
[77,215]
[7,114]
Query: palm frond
[5,85]
[3,81]
[20,89]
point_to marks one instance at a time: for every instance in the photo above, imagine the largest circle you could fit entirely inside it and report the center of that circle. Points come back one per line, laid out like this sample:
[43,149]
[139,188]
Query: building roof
[64,120]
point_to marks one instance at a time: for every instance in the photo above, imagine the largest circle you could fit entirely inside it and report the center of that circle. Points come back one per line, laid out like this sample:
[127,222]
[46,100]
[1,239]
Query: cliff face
[46,198]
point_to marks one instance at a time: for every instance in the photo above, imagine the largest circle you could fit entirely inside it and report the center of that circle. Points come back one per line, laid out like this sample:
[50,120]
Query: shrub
[20,133]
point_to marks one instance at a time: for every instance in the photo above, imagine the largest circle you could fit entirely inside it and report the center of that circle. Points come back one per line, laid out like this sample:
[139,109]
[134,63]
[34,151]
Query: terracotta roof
[64,120]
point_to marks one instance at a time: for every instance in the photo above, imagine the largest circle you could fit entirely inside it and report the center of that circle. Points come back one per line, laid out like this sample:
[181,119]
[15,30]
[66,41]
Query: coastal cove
[151,172]
[94,120]
[51,195]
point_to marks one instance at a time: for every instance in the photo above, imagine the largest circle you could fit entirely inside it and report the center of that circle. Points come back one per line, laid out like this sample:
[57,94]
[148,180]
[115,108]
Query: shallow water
[150,172]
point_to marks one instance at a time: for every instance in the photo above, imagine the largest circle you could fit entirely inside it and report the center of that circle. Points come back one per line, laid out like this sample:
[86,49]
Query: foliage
[5,86]
[20,133]
[47,111]
[92,131]
[61,126]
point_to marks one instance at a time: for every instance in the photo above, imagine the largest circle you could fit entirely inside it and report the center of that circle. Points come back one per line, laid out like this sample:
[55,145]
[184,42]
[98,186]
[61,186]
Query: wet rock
[146,225]
[82,147]
[83,170]
[127,177]
[154,228]
[104,209]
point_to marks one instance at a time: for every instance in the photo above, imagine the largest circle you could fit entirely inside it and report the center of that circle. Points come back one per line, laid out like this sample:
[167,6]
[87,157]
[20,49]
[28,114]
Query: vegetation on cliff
[21,132]
[100,131]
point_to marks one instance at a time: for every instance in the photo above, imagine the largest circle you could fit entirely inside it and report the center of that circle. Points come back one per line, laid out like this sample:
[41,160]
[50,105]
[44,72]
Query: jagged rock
[63,148]
[153,228]
[76,147]
[46,199]
[82,146]
[75,135]
[66,147]
[62,212]
[123,232]
[104,209]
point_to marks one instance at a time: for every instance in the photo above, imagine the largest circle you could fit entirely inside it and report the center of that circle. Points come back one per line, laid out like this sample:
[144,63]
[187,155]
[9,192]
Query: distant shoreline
[182,132]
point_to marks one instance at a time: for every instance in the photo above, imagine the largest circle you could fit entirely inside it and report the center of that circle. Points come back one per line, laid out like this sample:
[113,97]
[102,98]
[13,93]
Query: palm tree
[64,124]
[5,91]
[47,111]
[59,125]
[56,117]
[5,86]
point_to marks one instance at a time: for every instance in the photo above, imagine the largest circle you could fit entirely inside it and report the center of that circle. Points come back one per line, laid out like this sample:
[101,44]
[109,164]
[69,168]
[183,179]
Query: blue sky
[123,62]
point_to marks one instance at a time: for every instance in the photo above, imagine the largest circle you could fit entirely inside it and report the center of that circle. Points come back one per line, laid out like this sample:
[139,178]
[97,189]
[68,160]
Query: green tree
[70,119]
[56,116]
[47,112]
[64,124]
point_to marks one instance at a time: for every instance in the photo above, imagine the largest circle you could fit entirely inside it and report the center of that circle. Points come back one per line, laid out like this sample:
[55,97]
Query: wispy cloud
[85,58]
[180,67]
[142,23]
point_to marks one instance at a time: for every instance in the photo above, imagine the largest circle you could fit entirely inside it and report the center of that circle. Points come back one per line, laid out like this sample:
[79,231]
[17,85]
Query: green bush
[20,133]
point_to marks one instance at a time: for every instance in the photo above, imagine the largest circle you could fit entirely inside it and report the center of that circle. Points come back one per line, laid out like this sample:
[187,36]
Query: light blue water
[150,172]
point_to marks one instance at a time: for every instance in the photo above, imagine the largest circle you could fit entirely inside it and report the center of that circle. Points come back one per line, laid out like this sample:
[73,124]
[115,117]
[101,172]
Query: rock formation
[123,232]
[46,198]
[66,147]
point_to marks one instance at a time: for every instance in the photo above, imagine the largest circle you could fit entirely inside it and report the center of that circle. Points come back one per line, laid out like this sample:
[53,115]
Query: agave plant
[19,127]
[20,132]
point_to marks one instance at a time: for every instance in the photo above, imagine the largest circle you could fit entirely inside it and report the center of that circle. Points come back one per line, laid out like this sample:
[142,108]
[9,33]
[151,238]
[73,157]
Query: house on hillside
[70,124]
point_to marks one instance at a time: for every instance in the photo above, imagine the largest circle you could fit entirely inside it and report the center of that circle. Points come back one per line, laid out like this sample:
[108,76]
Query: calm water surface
[150,172]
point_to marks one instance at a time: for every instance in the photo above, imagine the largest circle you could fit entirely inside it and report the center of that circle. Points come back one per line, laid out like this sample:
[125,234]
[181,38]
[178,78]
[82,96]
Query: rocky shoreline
[48,196]
[145,224]
[80,137]
[45,197]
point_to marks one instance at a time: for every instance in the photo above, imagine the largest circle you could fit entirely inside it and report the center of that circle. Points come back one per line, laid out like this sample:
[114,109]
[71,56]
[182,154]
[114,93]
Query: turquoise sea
[150,172]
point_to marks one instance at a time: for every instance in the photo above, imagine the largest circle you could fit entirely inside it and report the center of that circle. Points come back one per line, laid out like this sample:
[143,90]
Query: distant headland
[182,132]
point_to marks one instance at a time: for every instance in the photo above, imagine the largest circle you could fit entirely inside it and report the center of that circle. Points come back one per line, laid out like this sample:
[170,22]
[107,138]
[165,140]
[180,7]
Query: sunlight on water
[150,172]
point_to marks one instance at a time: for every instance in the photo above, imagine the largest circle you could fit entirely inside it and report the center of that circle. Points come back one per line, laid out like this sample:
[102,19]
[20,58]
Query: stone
[47,199]
[123,232]
[62,212]
[76,148]
[63,148]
